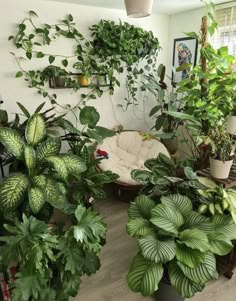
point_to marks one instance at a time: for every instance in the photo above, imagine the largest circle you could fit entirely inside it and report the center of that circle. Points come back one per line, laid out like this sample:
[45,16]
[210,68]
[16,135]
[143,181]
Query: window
[226,33]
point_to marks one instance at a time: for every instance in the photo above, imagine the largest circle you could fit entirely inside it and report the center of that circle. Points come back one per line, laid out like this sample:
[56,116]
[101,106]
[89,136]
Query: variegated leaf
[30,158]
[13,190]
[36,199]
[40,181]
[74,164]
[49,147]
[36,129]
[59,165]
[12,141]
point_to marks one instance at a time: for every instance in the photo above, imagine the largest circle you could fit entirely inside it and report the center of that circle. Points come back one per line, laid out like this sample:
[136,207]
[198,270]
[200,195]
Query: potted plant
[55,75]
[52,254]
[177,245]
[222,148]
[231,121]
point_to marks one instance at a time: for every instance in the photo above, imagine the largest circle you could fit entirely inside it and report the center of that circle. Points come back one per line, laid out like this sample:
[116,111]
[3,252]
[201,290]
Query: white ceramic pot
[231,125]
[138,8]
[220,169]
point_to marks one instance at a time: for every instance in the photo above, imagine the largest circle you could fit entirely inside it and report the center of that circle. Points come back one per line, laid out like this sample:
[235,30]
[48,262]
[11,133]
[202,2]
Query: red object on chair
[102,153]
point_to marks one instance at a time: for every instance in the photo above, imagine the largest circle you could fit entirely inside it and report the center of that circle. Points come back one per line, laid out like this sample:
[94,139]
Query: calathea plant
[176,244]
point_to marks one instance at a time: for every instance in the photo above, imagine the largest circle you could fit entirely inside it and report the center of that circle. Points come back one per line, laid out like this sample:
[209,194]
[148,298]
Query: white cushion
[127,151]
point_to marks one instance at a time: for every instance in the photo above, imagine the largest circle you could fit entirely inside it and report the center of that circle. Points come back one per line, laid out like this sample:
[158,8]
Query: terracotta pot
[166,292]
[171,145]
[231,125]
[138,8]
[220,169]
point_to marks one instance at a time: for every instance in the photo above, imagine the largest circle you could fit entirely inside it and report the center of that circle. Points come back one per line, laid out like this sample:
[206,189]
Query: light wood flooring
[109,283]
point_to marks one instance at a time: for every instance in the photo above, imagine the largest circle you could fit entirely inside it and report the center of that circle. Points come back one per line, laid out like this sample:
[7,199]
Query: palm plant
[175,241]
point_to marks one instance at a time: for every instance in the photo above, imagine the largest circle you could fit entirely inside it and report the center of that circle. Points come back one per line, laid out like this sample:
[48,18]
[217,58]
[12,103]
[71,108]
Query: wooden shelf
[227,183]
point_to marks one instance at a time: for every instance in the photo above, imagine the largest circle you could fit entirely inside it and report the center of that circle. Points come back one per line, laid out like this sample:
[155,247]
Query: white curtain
[226,32]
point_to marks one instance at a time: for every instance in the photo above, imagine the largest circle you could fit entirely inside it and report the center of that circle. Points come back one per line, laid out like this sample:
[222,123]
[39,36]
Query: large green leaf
[142,176]
[59,165]
[30,158]
[74,164]
[144,276]
[167,218]
[36,129]
[139,227]
[12,141]
[188,256]
[180,202]
[89,229]
[89,116]
[219,243]
[13,190]
[203,272]
[141,207]
[37,199]
[198,221]
[224,225]
[157,250]
[195,239]
[49,147]
[40,181]
[183,285]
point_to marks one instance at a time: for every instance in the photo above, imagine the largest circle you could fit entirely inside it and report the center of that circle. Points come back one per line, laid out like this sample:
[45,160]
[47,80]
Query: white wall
[13,12]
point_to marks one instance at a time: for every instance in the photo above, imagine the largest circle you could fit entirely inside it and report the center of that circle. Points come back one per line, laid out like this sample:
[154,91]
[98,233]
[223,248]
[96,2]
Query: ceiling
[169,7]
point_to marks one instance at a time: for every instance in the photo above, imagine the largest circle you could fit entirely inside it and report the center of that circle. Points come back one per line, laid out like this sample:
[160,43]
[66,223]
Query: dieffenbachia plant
[45,171]
[175,239]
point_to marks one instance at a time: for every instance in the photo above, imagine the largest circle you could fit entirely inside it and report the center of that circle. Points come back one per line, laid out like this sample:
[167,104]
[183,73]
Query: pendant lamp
[138,8]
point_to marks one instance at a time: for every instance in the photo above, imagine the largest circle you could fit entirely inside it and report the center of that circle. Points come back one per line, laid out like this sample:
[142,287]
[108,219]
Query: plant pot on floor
[166,292]
[171,145]
[138,8]
[220,169]
[231,125]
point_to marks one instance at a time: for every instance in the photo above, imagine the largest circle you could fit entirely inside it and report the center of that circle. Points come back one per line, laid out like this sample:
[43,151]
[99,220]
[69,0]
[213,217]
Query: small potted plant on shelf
[222,151]
[177,246]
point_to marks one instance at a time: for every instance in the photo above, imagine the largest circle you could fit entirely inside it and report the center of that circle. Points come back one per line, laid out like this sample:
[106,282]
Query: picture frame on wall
[184,52]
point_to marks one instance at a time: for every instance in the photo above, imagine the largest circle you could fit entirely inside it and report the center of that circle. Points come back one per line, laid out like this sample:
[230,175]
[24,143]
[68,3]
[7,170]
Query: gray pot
[166,292]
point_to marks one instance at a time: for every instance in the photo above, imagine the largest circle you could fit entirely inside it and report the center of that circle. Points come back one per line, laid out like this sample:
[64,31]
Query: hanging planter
[231,125]
[138,8]
[220,169]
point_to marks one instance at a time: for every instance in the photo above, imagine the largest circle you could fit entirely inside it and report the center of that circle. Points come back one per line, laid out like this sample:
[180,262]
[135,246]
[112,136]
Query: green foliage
[179,240]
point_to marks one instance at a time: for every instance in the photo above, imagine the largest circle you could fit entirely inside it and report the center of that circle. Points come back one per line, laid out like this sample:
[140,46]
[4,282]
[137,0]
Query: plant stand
[225,264]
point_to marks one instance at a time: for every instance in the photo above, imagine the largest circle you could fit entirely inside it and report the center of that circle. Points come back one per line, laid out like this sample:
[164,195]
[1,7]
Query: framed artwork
[184,52]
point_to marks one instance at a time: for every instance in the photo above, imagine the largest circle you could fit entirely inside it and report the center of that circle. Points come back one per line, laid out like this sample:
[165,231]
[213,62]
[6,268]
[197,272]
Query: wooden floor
[109,283]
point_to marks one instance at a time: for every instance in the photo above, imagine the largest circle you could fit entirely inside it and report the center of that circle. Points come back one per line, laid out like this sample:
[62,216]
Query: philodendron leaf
[13,190]
[141,207]
[139,227]
[49,147]
[37,199]
[195,239]
[89,116]
[36,129]
[156,250]
[59,165]
[183,285]
[12,141]
[203,272]
[74,164]
[188,256]
[144,276]
[30,158]
[180,202]
[167,218]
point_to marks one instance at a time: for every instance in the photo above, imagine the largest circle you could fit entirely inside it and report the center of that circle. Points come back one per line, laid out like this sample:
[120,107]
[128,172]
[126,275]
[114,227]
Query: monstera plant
[51,255]
[176,244]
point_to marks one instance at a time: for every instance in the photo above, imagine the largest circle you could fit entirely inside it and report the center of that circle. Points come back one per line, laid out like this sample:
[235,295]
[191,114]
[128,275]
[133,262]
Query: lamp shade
[138,8]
